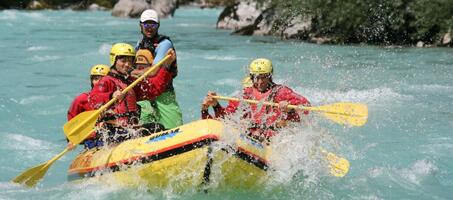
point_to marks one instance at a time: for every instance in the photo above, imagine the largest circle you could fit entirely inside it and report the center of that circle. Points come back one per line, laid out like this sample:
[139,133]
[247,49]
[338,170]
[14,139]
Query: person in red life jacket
[265,120]
[80,103]
[123,114]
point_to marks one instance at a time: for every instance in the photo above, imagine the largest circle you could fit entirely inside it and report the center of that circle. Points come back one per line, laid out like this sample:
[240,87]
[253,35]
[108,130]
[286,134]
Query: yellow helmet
[121,49]
[99,70]
[261,66]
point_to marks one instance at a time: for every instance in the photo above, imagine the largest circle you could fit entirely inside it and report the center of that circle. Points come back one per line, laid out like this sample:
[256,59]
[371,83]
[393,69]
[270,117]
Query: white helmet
[149,14]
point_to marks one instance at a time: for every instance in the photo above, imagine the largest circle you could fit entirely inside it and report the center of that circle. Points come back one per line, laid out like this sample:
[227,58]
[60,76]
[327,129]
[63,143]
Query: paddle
[339,166]
[354,114]
[77,130]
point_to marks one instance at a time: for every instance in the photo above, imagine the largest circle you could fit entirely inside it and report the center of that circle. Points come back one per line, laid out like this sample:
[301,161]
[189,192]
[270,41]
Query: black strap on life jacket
[152,43]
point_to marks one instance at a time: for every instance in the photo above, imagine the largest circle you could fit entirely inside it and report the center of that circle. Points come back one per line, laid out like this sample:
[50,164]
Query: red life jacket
[264,118]
[124,111]
[79,105]
[265,115]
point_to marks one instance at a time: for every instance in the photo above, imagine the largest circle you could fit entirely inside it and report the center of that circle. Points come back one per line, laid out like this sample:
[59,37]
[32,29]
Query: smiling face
[149,28]
[124,64]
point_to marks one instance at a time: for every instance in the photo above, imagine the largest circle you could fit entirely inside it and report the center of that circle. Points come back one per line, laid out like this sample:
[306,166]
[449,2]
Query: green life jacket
[148,112]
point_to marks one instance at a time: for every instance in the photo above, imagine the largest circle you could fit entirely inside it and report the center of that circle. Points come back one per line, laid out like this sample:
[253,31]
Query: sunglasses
[150,25]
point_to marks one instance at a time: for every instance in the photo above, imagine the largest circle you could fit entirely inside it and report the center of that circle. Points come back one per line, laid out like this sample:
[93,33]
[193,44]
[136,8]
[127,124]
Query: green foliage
[432,17]
[105,3]
[371,21]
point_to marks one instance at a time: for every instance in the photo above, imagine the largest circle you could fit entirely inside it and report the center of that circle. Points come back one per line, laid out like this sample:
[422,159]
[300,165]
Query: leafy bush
[372,21]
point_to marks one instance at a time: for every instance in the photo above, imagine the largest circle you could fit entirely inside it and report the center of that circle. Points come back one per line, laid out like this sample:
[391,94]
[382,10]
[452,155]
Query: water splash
[419,170]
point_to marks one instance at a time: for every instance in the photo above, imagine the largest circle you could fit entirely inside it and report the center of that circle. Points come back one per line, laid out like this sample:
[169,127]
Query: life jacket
[151,45]
[265,111]
[79,105]
[125,111]
[263,120]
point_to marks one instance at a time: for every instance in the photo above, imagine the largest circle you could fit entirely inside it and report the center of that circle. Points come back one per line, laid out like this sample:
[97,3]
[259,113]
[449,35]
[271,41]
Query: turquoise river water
[405,151]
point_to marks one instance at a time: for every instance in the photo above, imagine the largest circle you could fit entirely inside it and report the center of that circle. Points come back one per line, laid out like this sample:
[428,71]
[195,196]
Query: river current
[403,152]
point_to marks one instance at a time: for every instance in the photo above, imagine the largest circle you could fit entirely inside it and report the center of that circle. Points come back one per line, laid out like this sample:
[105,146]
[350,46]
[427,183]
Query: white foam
[375,95]
[22,142]
[9,186]
[431,88]
[35,15]
[418,171]
[37,48]
[8,15]
[375,172]
[104,49]
[228,81]
[223,58]
[184,25]
[14,15]
[192,25]
[295,149]
[113,23]
[33,99]
[45,58]
[51,111]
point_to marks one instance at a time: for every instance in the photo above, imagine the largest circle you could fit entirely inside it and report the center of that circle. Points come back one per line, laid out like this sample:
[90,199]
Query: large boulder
[95,7]
[38,5]
[240,15]
[298,28]
[447,39]
[252,18]
[205,3]
[134,8]
[35,5]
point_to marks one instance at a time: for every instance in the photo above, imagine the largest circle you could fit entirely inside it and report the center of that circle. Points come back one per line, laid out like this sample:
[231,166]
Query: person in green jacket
[169,113]
[164,110]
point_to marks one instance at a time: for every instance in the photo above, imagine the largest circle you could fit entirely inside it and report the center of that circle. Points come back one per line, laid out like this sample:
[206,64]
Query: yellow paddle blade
[339,166]
[354,114]
[27,176]
[81,126]
[33,175]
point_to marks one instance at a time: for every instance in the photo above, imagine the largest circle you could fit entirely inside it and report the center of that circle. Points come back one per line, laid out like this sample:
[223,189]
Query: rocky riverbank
[419,23]
[414,23]
[120,8]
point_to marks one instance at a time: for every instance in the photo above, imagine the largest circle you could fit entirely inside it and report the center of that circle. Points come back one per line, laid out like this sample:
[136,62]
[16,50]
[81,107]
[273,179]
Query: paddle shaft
[265,103]
[355,114]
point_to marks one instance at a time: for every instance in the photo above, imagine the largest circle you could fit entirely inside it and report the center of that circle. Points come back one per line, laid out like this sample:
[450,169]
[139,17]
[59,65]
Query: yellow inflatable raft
[190,156]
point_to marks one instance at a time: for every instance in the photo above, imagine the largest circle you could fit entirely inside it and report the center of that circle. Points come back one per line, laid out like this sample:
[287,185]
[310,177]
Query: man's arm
[161,50]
